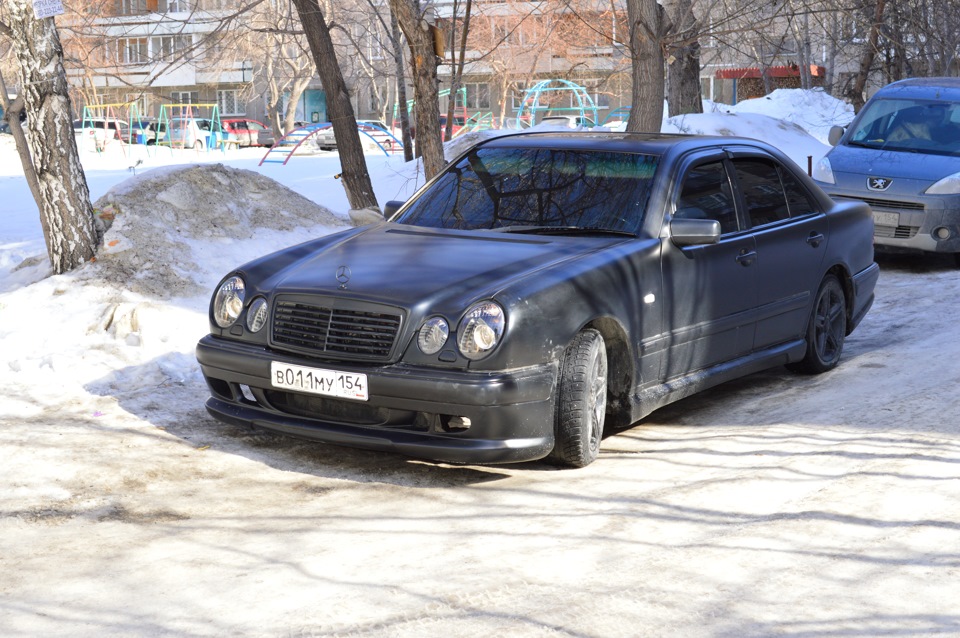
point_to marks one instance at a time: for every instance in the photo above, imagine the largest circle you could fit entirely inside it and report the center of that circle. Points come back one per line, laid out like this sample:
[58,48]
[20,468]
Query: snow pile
[789,137]
[814,111]
[167,221]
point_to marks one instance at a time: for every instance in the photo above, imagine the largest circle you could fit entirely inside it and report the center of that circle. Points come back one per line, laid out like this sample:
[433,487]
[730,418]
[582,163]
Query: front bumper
[416,411]
[906,221]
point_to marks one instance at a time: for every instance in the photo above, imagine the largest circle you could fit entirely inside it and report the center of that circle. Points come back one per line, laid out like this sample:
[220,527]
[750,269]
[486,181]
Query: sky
[776,504]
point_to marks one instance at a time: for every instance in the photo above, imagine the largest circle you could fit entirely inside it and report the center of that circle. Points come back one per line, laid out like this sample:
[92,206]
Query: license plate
[331,383]
[886,219]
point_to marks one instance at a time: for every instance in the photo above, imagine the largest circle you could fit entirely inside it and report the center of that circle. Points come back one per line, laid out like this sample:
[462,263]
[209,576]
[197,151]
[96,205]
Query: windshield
[507,188]
[923,126]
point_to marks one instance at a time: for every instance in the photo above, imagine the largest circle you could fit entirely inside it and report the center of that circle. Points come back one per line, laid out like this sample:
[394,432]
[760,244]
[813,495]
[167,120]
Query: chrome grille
[884,203]
[895,232]
[352,333]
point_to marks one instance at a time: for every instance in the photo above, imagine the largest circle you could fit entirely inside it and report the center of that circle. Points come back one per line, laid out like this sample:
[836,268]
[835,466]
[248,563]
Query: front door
[710,290]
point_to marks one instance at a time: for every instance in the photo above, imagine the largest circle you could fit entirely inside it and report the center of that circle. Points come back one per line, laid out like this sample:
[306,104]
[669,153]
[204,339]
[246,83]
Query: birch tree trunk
[423,60]
[66,214]
[356,179]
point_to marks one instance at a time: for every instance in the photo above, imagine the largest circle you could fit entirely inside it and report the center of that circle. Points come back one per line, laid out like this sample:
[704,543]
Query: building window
[185,97]
[600,98]
[168,47]
[228,103]
[517,95]
[132,7]
[174,6]
[478,95]
[134,51]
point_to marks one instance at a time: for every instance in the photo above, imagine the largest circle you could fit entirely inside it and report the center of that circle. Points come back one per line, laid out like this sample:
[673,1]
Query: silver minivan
[901,155]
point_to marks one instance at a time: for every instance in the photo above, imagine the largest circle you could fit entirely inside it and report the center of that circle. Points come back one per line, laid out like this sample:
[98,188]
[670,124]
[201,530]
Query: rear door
[790,232]
[710,290]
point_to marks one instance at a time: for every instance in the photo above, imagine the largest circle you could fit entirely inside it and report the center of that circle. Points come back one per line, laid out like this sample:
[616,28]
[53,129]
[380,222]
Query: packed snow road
[774,505]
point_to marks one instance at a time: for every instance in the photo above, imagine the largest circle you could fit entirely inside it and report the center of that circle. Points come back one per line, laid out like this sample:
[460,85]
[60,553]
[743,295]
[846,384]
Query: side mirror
[694,232]
[836,132]
[391,207]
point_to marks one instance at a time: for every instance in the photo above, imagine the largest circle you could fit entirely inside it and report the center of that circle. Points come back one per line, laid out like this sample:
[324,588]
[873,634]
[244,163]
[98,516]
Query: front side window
[538,188]
[706,194]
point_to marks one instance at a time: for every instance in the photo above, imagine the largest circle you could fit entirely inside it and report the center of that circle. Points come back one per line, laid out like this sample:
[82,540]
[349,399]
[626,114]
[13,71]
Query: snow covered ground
[774,505]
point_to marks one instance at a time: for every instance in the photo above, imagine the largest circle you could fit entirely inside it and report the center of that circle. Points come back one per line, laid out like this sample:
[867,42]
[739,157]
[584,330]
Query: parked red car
[247,131]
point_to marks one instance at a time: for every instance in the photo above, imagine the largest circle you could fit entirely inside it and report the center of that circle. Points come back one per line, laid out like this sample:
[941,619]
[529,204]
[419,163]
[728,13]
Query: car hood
[410,266]
[893,164]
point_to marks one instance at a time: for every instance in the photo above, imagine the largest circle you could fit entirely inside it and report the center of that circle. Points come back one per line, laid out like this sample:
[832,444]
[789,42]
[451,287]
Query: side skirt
[645,402]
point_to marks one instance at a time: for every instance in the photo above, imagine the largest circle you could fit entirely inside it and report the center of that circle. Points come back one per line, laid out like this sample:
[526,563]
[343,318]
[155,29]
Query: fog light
[942,233]
[247,393]
[455,423]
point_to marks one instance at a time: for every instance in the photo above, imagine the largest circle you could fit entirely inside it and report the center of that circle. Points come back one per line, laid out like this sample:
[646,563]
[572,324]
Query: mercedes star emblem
[343,276]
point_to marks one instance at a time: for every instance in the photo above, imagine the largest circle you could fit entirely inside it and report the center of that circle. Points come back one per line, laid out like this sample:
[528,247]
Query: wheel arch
[842,273]
[621,369]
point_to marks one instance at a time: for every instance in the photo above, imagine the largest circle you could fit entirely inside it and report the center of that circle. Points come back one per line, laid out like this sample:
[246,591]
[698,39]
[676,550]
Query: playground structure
[621,114]
[285,147]
[183,126]
[540,98]
[119,122]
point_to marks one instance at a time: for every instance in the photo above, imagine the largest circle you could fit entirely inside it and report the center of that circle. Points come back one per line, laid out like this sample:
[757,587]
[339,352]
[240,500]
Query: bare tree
[66,214]
[417,27]
[683,58]
[356,179]
[646,19]
[271,35]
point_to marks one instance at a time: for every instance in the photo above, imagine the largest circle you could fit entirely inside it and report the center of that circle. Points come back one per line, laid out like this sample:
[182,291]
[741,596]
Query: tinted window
[495,188]
[706,194]
[762,191]
[798,199]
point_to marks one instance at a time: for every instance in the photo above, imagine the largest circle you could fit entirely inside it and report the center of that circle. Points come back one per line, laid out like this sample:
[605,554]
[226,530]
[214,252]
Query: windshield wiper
[563,230]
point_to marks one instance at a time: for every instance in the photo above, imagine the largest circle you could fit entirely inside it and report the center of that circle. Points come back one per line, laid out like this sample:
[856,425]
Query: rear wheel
[827,329]
[198,145]
[581,401]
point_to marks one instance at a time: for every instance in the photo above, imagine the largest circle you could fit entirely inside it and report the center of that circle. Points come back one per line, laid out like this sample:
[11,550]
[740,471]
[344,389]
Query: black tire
[826,331]
[581,401]
[198,145]
[956,259]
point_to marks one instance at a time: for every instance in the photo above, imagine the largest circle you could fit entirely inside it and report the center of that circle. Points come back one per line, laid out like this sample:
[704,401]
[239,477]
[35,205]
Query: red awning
[790,71]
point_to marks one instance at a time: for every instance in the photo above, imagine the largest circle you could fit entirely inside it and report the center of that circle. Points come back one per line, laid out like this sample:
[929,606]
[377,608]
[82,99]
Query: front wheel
[827,329]
[581,401]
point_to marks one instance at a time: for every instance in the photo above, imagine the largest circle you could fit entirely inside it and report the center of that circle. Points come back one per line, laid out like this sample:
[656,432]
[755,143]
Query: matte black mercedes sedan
[544,285]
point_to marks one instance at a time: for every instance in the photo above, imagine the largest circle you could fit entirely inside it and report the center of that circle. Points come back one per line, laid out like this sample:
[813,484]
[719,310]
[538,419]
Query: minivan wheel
[581,401]
[826,331]
[198,145]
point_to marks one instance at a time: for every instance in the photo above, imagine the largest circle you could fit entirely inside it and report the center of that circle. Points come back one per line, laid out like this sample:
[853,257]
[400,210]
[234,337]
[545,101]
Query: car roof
[923,88]
[649,143]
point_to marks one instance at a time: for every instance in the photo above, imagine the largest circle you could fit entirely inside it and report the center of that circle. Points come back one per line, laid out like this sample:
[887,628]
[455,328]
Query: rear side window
[763,194]
[798,199]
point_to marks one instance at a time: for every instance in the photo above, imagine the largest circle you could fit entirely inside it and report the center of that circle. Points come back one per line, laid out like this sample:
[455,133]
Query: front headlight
[949,185]
[823,172]
[433,335]
[257,314]
[480,330]
[228,301]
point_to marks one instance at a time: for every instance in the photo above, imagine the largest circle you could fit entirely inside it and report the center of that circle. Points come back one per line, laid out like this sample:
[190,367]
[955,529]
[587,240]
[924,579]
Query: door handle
[814,239]
[747,257]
